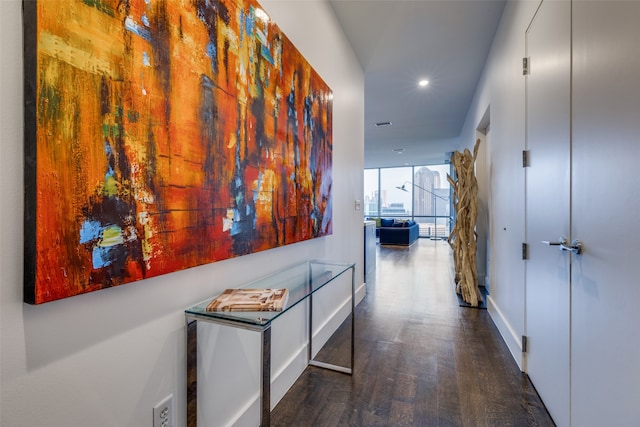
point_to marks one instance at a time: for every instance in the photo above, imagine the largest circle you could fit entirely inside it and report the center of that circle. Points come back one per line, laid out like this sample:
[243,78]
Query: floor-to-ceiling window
[394,201]
[421,193]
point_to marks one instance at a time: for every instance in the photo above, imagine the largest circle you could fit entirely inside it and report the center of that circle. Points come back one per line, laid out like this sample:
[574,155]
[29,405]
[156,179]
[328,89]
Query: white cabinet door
[548,202]
[606,213]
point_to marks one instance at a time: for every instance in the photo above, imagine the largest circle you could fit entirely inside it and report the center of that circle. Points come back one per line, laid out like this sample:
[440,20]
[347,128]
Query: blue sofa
[398,232]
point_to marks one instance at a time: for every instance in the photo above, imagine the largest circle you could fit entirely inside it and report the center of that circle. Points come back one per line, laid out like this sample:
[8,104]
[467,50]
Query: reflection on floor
[421,360]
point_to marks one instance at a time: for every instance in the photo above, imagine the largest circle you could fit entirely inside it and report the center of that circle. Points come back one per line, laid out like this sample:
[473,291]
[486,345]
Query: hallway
[420,359]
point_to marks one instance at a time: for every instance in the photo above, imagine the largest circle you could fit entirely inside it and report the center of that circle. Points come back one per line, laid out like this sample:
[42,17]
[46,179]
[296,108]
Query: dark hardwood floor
[420,360]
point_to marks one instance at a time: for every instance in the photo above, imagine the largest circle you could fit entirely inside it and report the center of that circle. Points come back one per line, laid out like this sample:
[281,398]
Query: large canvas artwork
[165,134]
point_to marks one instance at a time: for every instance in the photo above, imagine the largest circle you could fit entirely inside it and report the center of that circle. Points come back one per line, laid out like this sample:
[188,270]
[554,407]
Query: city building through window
[420,193]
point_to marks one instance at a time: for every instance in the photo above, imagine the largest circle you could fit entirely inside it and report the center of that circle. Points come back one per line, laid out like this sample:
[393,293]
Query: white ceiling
[399,42]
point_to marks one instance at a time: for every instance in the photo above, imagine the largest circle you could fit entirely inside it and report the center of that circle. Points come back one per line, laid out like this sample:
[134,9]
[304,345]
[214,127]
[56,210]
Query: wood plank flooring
[420,360]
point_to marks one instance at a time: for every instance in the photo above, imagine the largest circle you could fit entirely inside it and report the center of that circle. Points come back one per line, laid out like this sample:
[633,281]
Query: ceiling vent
[380,124]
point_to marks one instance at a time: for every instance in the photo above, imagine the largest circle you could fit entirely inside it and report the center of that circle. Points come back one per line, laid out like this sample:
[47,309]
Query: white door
[548,203]
[606,214]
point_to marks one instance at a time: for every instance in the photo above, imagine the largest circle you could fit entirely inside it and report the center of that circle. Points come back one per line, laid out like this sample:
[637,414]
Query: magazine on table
[250,300]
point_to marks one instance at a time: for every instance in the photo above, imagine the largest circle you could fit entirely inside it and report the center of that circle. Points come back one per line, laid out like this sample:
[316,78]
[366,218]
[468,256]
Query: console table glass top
[301,280]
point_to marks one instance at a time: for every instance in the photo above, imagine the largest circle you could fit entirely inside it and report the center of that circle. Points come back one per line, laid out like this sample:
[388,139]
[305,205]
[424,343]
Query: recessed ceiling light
[379,124]
[423,83]
[398,150]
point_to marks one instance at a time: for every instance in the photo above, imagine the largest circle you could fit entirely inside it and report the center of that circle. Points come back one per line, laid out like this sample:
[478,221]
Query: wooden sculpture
[463,236]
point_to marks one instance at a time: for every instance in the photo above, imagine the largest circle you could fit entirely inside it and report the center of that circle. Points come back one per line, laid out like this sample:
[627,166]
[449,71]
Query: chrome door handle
[575,246]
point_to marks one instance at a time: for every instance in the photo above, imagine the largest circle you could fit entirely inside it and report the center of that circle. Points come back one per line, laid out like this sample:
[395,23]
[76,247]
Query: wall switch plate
[163,413]
[358,205]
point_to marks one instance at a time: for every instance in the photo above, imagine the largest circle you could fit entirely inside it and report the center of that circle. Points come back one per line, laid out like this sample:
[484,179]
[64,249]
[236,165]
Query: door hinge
[524,344]
[525,158]
[525,66]
[525,251]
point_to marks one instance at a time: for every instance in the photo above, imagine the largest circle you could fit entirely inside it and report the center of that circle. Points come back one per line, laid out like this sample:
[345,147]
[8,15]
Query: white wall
[501,89]
[106,358]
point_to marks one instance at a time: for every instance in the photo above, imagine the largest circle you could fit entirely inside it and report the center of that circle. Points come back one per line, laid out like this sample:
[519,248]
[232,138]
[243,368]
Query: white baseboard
[509,335]
[361,292]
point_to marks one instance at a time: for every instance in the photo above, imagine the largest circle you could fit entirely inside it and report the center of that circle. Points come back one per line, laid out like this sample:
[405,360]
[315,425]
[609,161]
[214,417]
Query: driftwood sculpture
[463,236]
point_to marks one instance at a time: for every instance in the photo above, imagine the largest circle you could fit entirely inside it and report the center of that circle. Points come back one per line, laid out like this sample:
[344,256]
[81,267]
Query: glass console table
[302,281]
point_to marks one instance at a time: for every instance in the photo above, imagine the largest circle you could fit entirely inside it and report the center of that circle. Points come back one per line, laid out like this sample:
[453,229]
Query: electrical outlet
[163,413]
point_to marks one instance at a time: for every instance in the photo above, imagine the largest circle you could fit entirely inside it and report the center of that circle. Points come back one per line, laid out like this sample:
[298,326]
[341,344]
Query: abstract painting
[162,135]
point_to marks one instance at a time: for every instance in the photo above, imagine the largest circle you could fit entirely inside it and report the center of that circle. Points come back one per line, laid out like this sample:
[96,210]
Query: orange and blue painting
[162,135]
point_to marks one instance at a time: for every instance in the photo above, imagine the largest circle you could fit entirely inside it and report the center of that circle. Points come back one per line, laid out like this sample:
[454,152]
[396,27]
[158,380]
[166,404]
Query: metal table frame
[262,326]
